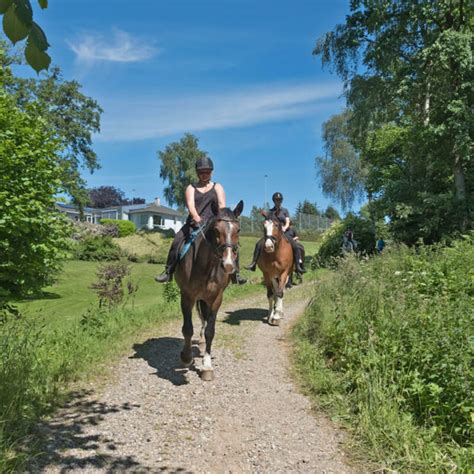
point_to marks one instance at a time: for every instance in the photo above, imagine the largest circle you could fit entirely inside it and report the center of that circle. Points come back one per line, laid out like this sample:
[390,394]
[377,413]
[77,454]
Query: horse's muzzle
[269,246]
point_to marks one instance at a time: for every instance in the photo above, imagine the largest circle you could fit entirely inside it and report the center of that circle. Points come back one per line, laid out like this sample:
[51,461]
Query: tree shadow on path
[247,314]
[65,443]
[163,354]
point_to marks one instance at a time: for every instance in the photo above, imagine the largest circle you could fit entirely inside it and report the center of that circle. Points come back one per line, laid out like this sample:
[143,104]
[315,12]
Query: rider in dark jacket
[283,216]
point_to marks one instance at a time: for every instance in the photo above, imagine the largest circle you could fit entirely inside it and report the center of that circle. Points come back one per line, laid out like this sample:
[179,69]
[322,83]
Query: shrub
[33,236]
[81,230]
[97,249]
[124,227]
[110,284]
[330,248]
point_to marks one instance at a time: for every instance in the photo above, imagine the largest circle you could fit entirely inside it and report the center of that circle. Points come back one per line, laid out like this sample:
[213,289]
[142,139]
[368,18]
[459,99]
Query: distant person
[348,242]
[283,216]
[380,245]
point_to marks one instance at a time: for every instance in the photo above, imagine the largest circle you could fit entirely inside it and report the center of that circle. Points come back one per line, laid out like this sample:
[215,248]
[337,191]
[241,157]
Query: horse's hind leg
[187,310]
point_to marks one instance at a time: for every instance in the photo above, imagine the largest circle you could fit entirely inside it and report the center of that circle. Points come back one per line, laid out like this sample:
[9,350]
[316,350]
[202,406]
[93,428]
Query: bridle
[220,249]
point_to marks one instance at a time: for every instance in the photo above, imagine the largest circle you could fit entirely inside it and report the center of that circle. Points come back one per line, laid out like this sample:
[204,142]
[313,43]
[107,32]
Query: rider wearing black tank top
[200,198]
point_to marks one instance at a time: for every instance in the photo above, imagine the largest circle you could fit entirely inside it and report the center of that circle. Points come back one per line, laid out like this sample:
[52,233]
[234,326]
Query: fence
[304,223]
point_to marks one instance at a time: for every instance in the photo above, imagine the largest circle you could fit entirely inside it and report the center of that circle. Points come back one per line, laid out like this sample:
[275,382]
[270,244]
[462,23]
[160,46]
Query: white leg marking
[206,361]
[279,307]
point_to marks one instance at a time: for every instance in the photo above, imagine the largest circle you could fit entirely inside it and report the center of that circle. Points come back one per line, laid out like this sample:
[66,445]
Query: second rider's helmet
[204,163]
[277,197]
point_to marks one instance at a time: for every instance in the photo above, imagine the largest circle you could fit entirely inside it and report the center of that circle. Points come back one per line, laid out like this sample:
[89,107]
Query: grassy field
[63,303]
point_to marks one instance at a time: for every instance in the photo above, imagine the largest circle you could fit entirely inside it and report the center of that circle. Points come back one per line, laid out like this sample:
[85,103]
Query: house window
[158,221]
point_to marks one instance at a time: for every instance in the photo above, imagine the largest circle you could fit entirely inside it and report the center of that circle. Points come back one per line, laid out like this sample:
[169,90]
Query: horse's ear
[214,208]
[239,208]
[264,214]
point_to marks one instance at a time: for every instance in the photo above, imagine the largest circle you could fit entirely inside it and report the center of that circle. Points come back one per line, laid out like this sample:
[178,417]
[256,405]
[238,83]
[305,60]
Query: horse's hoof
[186,361]
[206,374]
[274,322]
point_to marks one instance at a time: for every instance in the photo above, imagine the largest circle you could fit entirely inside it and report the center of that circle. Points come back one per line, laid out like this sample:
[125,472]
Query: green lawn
[63,303]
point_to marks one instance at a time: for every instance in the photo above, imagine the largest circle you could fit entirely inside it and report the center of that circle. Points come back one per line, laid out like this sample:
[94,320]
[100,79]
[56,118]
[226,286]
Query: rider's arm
[220,195]
[189,195]
[287,224]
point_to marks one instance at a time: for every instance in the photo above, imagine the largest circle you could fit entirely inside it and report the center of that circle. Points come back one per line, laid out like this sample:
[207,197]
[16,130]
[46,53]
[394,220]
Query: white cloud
[120,47]
[139,118]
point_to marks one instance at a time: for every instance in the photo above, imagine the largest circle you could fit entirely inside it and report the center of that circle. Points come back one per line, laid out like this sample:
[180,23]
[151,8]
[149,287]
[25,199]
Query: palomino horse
[202,276]
[276,263]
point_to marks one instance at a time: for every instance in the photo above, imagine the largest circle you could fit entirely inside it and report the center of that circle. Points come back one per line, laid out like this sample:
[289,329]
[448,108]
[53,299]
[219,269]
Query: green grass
[386,347]
[63,303]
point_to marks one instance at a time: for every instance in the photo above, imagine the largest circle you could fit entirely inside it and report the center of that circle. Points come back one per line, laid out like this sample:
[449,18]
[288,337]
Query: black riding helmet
[277,197]
[204,163]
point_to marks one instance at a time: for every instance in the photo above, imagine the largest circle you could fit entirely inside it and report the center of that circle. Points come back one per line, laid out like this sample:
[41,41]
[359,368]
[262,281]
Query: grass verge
[386,348]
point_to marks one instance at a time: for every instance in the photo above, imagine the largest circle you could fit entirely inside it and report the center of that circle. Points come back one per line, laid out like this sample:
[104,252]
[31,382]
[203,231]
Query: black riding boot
[172,259]
[235,277]
[297,257]
[256,254]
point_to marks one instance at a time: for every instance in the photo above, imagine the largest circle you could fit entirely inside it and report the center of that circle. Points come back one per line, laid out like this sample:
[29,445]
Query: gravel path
[153,416]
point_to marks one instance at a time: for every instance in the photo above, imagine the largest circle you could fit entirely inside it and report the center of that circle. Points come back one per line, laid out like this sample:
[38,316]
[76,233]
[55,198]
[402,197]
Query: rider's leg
[173,255]
[297,256]
[235,277]
[256,255]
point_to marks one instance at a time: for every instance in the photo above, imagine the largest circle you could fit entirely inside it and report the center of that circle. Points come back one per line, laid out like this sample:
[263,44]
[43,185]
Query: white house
[145,216]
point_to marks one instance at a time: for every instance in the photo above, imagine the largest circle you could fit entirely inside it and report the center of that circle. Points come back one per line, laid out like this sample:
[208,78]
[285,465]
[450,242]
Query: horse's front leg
[187,310]
[274,317]
[279,292]
[207,371]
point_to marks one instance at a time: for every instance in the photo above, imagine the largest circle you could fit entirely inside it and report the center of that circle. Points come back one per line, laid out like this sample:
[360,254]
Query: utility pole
[265,181]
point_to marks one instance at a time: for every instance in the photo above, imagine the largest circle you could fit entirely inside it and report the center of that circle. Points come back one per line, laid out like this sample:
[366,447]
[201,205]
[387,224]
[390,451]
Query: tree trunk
[460,189]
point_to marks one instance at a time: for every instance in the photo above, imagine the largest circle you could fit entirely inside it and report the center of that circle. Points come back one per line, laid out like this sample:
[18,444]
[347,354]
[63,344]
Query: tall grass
[387,344]
[37,363]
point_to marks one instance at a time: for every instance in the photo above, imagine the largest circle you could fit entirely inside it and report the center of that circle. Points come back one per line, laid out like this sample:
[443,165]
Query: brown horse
[202,276]
[276,263]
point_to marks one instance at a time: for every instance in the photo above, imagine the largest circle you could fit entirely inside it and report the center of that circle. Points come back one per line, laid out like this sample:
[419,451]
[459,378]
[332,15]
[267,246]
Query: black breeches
[182,236]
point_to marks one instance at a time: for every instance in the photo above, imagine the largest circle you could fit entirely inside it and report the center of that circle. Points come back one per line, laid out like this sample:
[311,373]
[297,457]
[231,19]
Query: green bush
[330,248]
[393,338]
[124,227]
[33,236]
[95,248]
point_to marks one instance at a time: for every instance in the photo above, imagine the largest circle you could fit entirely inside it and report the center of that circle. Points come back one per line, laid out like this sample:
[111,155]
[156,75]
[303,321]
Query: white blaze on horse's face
[228,261]
[269,245]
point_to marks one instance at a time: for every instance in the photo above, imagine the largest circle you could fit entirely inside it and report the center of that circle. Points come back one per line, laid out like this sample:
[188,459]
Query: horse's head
[272,233]
[225,230]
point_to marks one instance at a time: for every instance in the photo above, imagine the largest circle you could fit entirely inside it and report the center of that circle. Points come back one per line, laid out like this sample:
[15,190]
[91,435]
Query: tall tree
[178,160]
[341,171]
[411,116]
[331,213]
[307,207]
[72,116]
[107,196]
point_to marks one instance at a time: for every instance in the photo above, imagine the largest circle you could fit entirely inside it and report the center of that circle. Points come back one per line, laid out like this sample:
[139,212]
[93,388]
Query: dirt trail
[156,417]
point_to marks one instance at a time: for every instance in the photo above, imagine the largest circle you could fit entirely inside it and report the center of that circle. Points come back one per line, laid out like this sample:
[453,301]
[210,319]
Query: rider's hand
[197,219]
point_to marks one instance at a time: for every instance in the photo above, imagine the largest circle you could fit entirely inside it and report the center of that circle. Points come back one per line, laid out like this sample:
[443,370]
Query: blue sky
[238,74]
